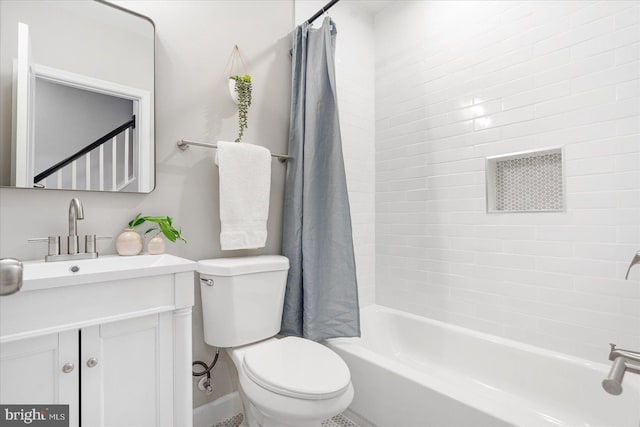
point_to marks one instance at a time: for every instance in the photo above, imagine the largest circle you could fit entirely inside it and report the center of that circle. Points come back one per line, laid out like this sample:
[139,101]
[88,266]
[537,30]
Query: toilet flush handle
[208,282]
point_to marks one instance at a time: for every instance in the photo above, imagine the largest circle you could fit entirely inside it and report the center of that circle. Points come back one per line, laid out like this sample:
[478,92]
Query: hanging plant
[242,89]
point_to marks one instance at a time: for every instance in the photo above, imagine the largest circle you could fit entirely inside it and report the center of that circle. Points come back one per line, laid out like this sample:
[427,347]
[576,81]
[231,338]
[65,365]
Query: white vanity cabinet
[117,351]
[31,371]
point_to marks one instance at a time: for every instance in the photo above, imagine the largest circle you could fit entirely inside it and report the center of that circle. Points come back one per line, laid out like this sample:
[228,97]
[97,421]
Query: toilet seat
[298,368]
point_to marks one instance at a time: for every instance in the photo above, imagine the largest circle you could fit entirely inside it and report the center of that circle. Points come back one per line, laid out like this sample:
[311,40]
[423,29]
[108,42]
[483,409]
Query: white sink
[46,275]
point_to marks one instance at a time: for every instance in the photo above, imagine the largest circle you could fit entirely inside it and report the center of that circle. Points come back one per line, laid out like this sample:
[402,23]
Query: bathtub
[410,371]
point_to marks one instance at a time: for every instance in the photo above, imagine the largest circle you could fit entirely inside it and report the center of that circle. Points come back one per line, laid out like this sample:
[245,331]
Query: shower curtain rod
[321,11]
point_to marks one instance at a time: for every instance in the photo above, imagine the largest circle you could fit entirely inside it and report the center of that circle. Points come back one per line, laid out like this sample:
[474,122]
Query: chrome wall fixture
[76,212]
[623,360]
[634,261]
[183,144]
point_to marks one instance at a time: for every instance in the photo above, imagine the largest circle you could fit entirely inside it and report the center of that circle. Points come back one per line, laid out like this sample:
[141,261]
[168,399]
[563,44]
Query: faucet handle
[634,261]
[90,244]
[613,346]
[52,241]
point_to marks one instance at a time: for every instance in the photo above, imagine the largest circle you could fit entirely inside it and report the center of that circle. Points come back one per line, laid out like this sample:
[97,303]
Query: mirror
[76,96]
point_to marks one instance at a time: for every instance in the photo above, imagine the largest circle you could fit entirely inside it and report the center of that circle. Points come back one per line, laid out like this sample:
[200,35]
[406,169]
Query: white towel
[245,183]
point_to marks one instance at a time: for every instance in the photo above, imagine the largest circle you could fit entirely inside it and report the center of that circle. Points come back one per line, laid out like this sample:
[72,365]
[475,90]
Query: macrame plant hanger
[240,89]
[235,67]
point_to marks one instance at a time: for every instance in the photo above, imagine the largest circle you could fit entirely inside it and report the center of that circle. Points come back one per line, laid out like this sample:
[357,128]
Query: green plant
[164,226]
[243,89]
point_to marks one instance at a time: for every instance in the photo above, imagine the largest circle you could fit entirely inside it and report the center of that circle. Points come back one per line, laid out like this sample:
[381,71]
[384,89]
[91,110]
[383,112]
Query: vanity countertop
[46,275]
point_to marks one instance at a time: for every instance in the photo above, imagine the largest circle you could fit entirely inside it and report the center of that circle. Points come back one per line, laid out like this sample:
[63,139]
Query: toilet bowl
[283,382]
[291,382]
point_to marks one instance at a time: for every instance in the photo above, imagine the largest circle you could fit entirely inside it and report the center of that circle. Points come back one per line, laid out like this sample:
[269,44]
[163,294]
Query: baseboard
[217,410]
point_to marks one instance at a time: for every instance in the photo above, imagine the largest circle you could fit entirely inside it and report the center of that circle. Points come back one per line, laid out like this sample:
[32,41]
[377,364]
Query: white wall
[458,81]
[194,41]
[355,80]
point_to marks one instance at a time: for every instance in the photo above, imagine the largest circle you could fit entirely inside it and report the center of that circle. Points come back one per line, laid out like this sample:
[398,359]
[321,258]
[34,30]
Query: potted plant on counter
[156,245]
[130,242]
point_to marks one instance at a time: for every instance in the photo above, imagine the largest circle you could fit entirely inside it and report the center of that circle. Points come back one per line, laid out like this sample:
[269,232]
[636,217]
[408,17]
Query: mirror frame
[152,126]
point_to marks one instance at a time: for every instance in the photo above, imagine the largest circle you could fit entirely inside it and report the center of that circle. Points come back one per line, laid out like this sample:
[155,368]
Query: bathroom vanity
[110,337]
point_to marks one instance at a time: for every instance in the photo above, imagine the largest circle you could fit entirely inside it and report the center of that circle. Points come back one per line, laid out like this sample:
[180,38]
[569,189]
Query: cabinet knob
[92,362]
[68,367]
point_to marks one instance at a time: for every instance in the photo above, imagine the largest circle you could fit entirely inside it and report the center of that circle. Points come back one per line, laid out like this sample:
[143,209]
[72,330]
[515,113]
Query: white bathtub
[409,371]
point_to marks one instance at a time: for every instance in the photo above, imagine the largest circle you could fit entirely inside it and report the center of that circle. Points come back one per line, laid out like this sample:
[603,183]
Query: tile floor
[337,421]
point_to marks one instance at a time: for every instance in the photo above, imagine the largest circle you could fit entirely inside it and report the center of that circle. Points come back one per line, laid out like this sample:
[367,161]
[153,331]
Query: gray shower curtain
[321,299]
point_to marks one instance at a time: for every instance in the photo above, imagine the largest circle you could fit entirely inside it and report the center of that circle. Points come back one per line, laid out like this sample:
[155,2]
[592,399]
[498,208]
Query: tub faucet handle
[634,261]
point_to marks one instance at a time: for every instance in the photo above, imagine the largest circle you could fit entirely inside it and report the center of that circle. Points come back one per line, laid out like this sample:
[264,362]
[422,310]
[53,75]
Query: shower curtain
[321,299]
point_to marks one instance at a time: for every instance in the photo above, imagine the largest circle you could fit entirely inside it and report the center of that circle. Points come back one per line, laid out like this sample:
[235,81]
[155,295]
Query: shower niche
[530,181]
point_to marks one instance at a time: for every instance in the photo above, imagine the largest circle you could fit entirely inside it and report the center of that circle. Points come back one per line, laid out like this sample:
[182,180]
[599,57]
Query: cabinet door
[127,373]
[32,371]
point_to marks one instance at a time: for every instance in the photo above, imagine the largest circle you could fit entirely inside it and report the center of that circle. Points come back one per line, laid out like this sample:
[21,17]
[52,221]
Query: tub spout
[613,383]
[623,360]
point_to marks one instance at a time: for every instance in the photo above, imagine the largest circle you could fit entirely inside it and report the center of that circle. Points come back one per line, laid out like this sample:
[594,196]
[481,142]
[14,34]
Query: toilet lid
[297,367]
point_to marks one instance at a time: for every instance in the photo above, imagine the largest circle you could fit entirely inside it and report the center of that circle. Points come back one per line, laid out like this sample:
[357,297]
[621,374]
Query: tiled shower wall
[459,81]
[356,98]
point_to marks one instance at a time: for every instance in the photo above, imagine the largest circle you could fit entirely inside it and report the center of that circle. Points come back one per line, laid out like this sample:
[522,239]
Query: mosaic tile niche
[525,182]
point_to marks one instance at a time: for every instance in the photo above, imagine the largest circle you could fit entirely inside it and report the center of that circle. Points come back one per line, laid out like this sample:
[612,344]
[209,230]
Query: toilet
[284,382]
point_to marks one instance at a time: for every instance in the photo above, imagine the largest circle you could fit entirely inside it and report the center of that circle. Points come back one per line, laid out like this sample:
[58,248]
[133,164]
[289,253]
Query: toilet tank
[242,298]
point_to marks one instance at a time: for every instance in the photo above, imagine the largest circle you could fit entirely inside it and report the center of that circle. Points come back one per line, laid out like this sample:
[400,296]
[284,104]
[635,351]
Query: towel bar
[183,144]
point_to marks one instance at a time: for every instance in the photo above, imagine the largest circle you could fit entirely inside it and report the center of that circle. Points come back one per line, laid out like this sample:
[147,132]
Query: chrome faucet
[76,212]
[623,360]
[634,261]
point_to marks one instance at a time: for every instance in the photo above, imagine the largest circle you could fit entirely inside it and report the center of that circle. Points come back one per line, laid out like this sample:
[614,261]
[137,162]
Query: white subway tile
[576,35]
[606,42]
[630,89]
[622,73]
[556,249]
[605,147]
[582,300]
[597,200]
[628,126]
[484,94]
[577,68]
[514,77]
[628,234]
[505,118]
[543,93]
[628,53]
[602,234]
[628,162]
[628,199]
[611,252]
[609,182]
[599,10]
[590,166]
[571,332]
[594,97]
[628,17]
